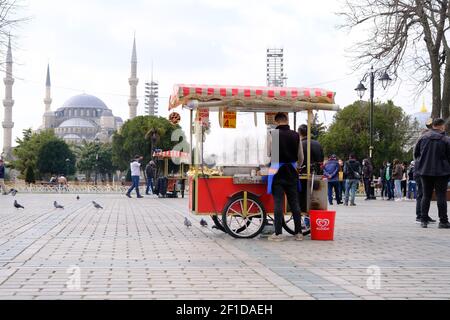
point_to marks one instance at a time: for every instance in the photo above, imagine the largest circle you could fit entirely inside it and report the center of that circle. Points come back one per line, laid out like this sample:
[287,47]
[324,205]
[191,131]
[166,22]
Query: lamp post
[97,140]
[361,89]
[67,167]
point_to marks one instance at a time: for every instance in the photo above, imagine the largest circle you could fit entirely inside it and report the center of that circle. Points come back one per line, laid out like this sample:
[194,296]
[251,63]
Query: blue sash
[273,170]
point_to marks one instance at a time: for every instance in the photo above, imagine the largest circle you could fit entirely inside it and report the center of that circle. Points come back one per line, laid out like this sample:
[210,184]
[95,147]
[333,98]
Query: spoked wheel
[218,223]
[244,220]
[289,226]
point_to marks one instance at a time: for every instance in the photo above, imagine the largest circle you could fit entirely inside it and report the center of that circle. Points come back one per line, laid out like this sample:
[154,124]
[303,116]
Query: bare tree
[406,36]
[8,21]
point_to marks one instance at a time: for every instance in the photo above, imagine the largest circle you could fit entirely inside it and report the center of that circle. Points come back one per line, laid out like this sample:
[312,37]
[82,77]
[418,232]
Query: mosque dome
[76,123]
[85,101]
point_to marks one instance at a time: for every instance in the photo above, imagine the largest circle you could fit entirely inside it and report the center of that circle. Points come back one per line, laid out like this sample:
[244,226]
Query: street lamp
[67,167]
[97,141]
[361,90]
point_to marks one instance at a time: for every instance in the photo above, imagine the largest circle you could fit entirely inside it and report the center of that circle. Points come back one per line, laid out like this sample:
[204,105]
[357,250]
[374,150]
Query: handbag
[355,174]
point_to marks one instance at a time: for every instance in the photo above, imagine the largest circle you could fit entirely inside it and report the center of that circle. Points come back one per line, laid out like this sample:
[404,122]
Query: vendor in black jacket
[286,154]
[432,155]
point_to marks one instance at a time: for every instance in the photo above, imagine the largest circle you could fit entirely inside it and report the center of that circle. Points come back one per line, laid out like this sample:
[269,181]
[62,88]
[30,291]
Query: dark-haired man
[135,167]
[432,154]
[286,154]
[317,158]
[352,170]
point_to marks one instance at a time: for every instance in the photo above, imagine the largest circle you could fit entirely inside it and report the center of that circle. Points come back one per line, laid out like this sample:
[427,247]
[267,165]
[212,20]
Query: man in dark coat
[432,155]
[367,171]
[317,158]
[286,155]
[352,172]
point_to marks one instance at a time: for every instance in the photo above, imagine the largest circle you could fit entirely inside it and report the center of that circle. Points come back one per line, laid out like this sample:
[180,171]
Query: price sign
[203,116]
[227,119]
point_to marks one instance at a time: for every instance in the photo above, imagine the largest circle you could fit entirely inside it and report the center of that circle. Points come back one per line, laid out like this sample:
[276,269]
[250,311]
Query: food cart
[236,197]
[175,181]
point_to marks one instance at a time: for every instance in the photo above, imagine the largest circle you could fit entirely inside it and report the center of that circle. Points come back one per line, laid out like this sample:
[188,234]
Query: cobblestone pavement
[140,249]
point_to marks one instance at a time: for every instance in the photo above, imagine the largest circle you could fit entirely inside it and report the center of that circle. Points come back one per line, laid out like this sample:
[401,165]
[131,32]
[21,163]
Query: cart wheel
[288,224]
[243,226]
[218,223]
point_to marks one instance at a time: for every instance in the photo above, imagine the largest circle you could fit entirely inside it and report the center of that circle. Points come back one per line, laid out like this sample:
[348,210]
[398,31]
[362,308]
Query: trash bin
[322,224]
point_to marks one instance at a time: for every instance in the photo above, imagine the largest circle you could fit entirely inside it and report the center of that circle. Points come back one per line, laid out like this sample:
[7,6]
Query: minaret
[8,103]
[133,80]
[48,93]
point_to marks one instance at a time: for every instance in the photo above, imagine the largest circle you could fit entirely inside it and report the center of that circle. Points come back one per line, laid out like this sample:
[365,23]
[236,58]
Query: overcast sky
[88,45]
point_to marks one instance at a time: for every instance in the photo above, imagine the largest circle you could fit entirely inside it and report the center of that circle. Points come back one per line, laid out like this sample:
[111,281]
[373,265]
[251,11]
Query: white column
[8,103]
[133,81]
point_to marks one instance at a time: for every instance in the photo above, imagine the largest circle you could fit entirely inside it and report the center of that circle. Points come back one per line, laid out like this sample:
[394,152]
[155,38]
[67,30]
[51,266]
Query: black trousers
[367,187]
[281,187]
[439,184]
[419,198]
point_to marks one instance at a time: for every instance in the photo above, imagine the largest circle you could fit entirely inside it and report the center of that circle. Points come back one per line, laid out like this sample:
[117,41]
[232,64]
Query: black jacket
[350,168]
[432,154]
[149,171]
[2,172]
[289,144]
[317,155]
[367,171]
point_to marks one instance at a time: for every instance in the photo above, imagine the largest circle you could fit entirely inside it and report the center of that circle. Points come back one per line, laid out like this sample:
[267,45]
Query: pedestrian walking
[150,173]
[331,173]
[432,156]
[2,178]
[135,167]
[397,176]
[352,172]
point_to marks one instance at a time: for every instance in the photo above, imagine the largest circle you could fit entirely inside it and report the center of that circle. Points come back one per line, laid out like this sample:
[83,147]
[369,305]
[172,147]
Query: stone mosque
[81,118]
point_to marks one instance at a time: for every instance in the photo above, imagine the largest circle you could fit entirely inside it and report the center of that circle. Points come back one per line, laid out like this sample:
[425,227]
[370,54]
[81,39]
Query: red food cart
[236,197]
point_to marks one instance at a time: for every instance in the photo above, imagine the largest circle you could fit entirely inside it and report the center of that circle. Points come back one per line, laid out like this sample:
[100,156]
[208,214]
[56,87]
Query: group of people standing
[344,178]
[398,181]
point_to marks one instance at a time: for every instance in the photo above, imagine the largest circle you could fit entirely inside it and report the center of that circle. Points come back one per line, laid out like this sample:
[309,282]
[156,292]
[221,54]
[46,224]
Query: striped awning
[171,154]
[250,96]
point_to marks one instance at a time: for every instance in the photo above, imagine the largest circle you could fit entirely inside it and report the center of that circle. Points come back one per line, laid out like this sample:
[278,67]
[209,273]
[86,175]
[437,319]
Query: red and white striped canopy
[206,93]
[171,154]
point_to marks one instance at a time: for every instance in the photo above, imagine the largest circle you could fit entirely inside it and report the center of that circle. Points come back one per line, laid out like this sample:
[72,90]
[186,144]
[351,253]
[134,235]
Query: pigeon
[96,205]
[203,223]
[13,192]
[187,223]
[78,197]
[57,206]
[17,205]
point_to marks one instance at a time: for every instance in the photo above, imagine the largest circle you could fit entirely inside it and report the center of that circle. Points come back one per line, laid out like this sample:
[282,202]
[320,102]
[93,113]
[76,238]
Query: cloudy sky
[88,45]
